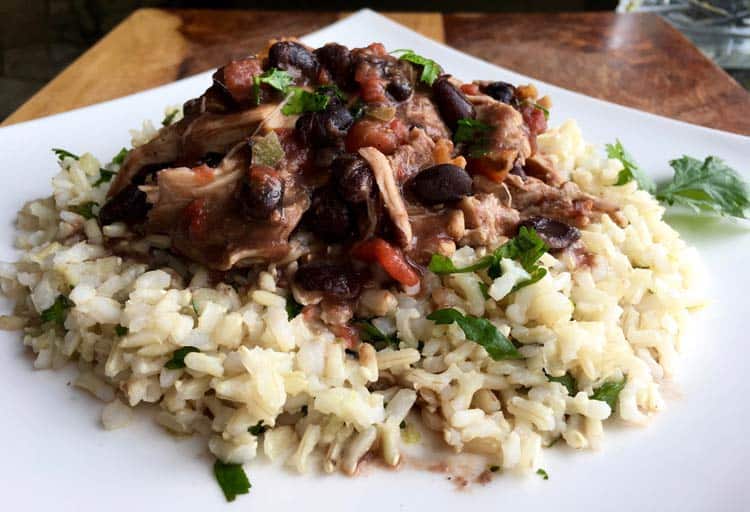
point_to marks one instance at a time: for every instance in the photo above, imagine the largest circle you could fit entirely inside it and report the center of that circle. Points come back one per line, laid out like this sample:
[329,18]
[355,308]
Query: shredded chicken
[389,192]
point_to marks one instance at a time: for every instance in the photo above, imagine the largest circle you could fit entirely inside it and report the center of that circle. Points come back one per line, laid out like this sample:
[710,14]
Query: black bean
[291,56]
[353,177]
[557,235]
[129,205]
[323,158]
[261,193]
[334,279]
[452,104]
[325,128]
[337,60]
[501,91]
[399,88]
[441,184]
[329,216]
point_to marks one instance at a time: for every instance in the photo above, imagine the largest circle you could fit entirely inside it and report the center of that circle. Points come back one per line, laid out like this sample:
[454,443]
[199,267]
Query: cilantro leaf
[475,134]
[526,248]
[105,176]
[300,101]
[478,330]
[275,78]
[630,170]
[85,210]
[710,185]
[371,334]
[609,392]
[258,428]
[178,358]
[542,473]
[566,380]
[63,153]
[232,479]
[430,69]
[119,158]
[121,330]
[293,308]
[58,310]
[169,117]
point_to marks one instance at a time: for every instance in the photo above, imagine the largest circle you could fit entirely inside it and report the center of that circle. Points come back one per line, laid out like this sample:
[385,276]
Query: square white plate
[693,456]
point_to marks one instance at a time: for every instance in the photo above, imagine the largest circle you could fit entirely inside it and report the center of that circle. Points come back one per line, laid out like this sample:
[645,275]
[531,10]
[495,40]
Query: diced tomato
[365,133]
[389,257]
[196,215]
[238,77]
[534,119]
[203,174]
[470,89]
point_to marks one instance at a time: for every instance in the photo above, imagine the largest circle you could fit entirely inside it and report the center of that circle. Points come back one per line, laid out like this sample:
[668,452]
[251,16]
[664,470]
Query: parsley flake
[119,158]
[542,473]
[371,334]
[105,176]
[169,117]
[274,78]
[566,380]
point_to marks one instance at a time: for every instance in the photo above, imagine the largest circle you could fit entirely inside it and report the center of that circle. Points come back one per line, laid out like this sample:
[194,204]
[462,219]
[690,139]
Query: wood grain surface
[632,59]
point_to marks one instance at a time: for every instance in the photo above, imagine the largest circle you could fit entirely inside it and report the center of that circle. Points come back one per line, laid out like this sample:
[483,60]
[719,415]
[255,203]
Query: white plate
[693,456]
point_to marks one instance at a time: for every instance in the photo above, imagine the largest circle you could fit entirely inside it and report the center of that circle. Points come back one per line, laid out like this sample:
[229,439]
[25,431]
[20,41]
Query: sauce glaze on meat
[375,177]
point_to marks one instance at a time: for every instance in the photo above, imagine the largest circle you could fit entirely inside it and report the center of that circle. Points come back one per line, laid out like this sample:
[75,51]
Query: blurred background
[41,37]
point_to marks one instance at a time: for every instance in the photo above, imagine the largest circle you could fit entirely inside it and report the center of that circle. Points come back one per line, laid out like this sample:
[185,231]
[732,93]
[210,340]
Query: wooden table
[636,60]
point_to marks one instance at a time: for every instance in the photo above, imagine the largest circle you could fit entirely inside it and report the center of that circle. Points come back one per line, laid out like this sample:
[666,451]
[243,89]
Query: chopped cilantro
[542,473]
[63,153]
[58,310]
[430,69]
[566,380]
[121,330]
[232,479]
[300,101]
[275,78]
[178,358]
[526,248]
[293,308]
[105,176]
[609,392]
[119,158]
[478,330]
[258,428]
[169,117]
[371,334]
[475,134]
[85,210]
[630,170]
